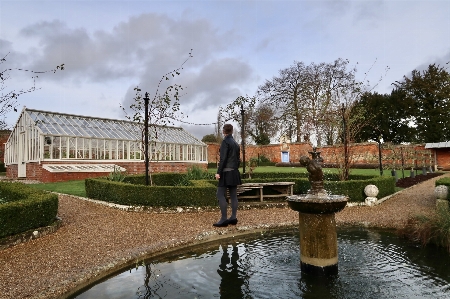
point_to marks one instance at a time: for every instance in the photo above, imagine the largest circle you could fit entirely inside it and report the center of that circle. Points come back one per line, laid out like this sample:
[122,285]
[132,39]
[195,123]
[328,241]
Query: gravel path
[94,239]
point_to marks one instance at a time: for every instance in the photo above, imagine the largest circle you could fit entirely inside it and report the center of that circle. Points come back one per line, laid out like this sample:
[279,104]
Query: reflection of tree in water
[152,285]
[234,282]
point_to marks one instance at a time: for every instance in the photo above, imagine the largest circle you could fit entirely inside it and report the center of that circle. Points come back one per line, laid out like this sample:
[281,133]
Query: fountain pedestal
[317,228]
[318,243]
[317,225]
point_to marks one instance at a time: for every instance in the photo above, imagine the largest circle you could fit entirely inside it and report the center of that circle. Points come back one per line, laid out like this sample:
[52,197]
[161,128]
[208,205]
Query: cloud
[147,45]
[6,46]
[219,81]
[139,51]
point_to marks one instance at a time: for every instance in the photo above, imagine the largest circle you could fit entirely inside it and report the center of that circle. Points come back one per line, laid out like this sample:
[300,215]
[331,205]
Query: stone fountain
[317,225]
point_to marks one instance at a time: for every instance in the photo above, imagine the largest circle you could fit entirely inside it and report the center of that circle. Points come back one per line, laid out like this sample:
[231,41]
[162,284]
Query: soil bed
[407,182]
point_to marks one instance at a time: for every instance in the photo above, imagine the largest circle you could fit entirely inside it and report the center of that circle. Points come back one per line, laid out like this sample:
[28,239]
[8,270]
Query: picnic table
[283,189]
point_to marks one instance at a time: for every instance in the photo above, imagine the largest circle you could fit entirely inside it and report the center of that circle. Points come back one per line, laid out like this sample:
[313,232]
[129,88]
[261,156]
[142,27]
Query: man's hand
[217,176]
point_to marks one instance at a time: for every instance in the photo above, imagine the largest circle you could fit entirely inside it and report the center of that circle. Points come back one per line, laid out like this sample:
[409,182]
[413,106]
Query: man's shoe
[223,224]
[232,221]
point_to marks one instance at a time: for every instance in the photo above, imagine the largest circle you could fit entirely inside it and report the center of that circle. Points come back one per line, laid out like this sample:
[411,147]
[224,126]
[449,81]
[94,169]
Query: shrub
[212,165]
[260,160]
[353,188]
[329,165]
[202,192]
[288,164]
[194,173]
[24,208]
[159,179]
[443,181]
[198,193]
[266,164]
[116,175]
[434,229]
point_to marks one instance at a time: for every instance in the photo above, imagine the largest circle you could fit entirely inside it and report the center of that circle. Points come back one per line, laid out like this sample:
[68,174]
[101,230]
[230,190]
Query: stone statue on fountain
[314,168]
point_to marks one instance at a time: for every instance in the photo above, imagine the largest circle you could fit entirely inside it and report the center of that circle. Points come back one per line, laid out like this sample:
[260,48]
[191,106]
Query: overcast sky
[110,47]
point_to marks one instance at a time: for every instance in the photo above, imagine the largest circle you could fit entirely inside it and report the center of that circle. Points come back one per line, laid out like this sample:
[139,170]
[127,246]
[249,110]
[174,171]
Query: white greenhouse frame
[48,136]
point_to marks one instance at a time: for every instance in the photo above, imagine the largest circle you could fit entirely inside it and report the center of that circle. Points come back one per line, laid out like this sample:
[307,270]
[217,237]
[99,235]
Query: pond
[372,264]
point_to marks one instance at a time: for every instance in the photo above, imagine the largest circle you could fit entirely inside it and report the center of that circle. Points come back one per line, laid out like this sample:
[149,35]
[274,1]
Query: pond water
[372,264]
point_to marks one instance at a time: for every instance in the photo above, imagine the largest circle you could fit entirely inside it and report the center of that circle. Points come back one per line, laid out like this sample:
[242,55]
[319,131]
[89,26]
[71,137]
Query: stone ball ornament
[441,192]
[371,192]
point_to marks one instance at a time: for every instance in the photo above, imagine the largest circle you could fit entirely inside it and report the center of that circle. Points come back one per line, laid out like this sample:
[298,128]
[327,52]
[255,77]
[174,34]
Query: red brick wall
[271,151]
[361,153]
[442,157]
[35,171]
[213,152]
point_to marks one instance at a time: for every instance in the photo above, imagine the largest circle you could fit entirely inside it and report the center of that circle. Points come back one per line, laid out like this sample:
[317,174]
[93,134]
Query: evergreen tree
[429,90]
[210,138]
[390,117]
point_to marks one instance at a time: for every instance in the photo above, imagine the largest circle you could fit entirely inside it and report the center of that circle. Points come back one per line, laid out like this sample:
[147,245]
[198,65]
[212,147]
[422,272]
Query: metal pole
[379,156]
[146,100]
[243,137]
[345,143]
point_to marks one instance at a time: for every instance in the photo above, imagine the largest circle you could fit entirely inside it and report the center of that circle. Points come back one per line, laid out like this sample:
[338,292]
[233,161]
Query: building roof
[438,144]
[60,124]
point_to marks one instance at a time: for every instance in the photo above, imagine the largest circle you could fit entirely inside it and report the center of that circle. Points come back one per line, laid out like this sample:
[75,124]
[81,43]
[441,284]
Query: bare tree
[155,113]
[262,124]
[233,112]
[285,92]
[308,98]
[8,99]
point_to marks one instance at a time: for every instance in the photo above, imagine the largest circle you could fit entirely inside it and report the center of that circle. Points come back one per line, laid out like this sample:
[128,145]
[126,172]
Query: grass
[69,187]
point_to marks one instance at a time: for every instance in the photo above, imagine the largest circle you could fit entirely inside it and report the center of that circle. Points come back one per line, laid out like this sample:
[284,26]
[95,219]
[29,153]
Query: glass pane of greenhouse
[58,136]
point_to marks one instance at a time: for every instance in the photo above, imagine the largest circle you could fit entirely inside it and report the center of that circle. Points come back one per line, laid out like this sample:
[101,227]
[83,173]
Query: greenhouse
[43,143]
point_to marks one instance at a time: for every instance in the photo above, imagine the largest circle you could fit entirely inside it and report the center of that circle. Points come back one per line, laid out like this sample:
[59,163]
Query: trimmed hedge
[353,188]
[278,175]
[200,193]
[23,208]
[203,192]
[330,165]
[294,175]
[158,179]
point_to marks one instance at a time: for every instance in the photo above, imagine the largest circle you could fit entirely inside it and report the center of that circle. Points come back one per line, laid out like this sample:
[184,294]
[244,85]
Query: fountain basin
[313,204]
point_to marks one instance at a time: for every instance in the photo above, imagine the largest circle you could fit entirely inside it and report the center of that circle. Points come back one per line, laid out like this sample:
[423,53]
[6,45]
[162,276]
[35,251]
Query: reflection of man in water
[232,277]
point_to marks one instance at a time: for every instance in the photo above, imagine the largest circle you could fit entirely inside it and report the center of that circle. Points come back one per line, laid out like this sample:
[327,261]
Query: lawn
[69,187]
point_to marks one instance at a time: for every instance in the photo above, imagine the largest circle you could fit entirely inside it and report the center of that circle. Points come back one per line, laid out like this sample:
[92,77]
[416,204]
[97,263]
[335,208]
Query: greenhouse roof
[60,124]
[438,144]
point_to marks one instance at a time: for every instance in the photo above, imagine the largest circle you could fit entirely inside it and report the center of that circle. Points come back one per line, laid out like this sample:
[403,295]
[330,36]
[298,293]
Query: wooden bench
[283,188]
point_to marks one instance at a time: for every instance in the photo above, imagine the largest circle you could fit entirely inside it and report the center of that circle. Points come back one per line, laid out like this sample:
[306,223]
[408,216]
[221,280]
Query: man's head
[227,129]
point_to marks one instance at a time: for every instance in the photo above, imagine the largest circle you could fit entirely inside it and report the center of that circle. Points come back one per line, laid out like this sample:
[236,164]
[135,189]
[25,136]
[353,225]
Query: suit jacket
[229,154]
